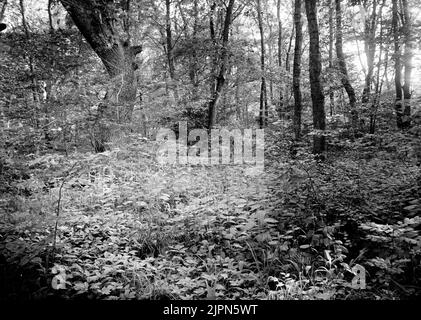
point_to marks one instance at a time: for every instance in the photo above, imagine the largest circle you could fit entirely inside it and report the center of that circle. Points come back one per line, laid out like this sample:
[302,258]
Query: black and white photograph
[233,152]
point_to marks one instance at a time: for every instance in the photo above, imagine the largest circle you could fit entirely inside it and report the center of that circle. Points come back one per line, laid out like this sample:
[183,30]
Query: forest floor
[139,230]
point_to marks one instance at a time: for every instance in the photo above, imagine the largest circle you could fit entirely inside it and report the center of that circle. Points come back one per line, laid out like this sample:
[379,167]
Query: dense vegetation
[87,211]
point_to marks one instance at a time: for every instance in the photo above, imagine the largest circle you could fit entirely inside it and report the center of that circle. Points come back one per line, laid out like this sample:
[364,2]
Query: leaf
[59,281]
[81,287]
[270,220]
[58,269]
[106,290]
[305,246]
[412,207]
[284,246]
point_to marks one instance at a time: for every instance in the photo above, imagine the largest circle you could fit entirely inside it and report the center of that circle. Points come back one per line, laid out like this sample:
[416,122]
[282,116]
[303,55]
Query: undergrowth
[118,225]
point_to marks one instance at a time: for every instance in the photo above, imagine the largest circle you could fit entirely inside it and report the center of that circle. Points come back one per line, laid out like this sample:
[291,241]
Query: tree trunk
[50,17]
[270,62]
[278,16]
[408,66]
[296,74]
[287,64]
[3,9]
[315,68]
[378,82]
[398,66]
[220,79]
[34,82]
[331,40]
[280,104]
[96,23]
[214,55]
[169,45]
[193,62]
[370,50]
[263,111]
[342,66]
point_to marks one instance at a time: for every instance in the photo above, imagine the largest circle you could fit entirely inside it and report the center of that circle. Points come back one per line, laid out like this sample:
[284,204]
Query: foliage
[86,211]
[131,229]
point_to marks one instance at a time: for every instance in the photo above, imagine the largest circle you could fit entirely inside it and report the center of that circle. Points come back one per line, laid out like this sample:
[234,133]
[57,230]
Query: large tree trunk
[263,111]
[220,79]
[315,69]
[95,19]
[342,66]
[296,74]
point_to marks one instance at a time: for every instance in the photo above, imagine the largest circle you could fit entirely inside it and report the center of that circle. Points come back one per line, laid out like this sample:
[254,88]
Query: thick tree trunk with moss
[315,69]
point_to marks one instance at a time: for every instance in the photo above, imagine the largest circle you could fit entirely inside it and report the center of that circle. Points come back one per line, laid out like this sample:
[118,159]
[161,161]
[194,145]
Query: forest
[210,150]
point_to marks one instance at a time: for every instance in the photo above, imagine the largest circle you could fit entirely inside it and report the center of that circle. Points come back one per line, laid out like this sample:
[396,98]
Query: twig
[58,209]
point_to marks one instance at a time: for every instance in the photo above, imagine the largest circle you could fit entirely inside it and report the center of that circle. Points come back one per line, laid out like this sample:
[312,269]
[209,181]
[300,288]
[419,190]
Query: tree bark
[296,74]
[331,40]
[169,44]
[315,68]
[170,52]
[370,50]
[3,10]
[287,64]
[50,17]
[280,104]
[408,66]
[342,66]
[398,66]
[193,62]
[278,16]
[263,111]
[220,79]
[379,82]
